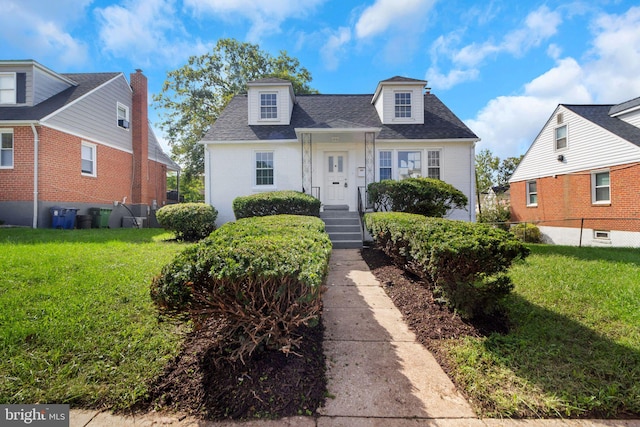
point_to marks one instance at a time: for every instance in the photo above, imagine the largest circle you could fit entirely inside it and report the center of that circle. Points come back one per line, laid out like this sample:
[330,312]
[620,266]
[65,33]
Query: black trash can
[84,221]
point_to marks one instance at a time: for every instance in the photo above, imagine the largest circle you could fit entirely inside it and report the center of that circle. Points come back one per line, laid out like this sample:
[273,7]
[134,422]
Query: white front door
[336,177]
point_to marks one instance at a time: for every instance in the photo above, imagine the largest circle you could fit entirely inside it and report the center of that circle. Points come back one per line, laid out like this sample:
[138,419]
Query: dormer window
[268,106]
[7,88]
[123,116]
[403,105]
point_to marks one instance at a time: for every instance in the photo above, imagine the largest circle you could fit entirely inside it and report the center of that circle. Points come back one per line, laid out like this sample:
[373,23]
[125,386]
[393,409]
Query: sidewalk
[377,373]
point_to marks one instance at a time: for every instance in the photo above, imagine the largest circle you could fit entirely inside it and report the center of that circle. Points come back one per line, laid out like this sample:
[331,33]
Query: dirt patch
[270,384]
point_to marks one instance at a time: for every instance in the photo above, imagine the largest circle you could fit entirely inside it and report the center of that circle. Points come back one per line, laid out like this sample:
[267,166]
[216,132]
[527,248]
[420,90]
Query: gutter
[35,175]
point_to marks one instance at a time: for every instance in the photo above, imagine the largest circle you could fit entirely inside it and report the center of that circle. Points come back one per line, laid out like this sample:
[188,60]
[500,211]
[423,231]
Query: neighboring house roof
[632,103]
[324,111]
[86,82]
[403,79]
[157,153]
[599,114]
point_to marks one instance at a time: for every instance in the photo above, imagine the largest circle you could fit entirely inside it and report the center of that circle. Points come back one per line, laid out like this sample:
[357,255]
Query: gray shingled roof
[157,153]
[402,79]
[624,106]
[599,114]
[321,111]
[86,83]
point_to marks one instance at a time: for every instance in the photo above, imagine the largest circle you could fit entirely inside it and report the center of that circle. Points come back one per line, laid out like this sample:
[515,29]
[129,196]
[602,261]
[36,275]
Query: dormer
[399,100]
[28,83]
[628,111]
[270,101]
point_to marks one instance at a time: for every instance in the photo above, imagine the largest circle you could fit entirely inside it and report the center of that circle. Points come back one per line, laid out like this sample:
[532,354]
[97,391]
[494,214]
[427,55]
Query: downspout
[35,176]
[472,182]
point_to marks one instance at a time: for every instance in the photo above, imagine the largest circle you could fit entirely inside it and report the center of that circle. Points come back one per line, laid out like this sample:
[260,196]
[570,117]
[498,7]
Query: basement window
[601,235]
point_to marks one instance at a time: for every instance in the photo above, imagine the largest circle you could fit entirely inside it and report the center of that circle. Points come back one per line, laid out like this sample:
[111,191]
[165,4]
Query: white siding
[385,104]
[95,115]
[28,69]
[632,118]
[588,147]
[45,86]
[230,172]
[284,104]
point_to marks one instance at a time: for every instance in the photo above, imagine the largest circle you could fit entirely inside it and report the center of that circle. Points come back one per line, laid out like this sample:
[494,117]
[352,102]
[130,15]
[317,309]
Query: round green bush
[190,221]
[526,232]
[276,203]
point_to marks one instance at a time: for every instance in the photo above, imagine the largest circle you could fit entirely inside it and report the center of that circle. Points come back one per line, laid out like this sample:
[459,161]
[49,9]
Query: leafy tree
[506,169]
[194,95]
[486,170]
[191,187]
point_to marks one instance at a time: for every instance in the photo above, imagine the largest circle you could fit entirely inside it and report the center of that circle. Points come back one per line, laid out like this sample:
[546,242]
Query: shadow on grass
[94,235]
[589,374]
[623,255]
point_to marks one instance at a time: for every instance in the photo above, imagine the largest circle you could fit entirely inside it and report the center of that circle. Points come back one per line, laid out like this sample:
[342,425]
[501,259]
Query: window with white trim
[601,187]
[7,88]
[123,116]
[264,168]
[433,164]
[601,235]
[561,137]
[385,163]
[532,193]
[6,148]
[403,105]
[268,106]
[88,155]
[409,164]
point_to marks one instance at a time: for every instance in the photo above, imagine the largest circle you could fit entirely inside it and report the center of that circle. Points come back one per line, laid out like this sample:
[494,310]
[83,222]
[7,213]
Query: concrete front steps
[343,227]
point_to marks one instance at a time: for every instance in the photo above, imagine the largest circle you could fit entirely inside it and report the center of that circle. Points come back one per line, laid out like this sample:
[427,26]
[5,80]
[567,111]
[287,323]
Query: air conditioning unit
[123,123]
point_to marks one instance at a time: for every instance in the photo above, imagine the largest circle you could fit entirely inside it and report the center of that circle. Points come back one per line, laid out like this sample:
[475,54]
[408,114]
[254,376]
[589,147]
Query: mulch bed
[273,385]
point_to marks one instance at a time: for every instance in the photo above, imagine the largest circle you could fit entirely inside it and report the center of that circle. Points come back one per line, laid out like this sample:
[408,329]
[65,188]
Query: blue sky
[502,66]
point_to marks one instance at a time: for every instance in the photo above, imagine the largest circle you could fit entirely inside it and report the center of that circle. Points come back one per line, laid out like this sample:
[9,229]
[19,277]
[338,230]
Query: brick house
[76,140]
[580,179]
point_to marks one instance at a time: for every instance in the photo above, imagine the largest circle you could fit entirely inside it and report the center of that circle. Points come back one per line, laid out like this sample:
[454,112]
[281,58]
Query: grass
[574,345]
[77,325]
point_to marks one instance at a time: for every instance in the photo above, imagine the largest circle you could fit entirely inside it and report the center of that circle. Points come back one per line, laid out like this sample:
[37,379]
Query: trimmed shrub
[497,215]
[466,262]
[189,221]
[258,278]
[526,232]
[276,203]
[424,196]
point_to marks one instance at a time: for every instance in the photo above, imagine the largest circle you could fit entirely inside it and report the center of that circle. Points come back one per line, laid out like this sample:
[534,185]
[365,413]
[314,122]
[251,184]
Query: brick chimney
[140,138]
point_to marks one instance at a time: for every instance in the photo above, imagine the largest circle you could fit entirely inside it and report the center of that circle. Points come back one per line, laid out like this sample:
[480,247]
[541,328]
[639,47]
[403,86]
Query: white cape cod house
[333,146]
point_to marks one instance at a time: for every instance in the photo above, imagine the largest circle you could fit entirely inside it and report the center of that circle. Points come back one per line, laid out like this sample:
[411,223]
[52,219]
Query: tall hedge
[466,262]
[276,203]
[424,196]
[258,278]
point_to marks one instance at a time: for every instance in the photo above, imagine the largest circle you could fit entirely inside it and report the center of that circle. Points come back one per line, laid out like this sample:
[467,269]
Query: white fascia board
[336,130]
[256,141]
[438,140]
[19,122]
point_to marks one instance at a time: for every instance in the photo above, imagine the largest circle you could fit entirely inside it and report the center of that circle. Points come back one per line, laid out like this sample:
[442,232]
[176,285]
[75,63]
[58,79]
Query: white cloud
[145,32]
[609,74]
[538,26]
[386,13]
[39,27]
[266,15]
[334,48]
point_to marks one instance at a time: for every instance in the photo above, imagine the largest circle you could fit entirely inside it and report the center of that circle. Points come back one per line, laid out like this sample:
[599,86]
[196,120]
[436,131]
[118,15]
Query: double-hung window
[433,164]
[268,106]
[561,137]
[88,159]
[532,193]
[403,105]
[6,148]
[385,163]
[264,168]
[7,88]
[123,116]
[600,187]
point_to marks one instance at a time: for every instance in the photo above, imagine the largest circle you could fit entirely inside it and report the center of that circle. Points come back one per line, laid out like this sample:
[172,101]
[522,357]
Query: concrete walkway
[377,373]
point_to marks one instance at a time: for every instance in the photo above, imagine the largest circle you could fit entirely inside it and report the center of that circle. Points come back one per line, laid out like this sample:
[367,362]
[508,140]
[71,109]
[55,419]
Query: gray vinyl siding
[46,86]
[95,115]
[28,70]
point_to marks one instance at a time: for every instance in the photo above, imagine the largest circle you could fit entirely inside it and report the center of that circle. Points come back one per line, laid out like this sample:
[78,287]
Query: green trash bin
[99,217]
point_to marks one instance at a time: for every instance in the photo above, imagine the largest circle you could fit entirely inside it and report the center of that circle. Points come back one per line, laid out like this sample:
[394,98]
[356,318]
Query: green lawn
[77,325]
[574,344]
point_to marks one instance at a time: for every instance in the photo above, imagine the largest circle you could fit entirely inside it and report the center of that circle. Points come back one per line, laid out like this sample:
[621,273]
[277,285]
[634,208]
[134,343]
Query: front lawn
[574,343]
[77,324]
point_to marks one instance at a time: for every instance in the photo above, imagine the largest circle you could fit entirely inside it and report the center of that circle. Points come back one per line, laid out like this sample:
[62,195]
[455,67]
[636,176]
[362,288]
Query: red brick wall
[569,196]
[140,137]
[17,184]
